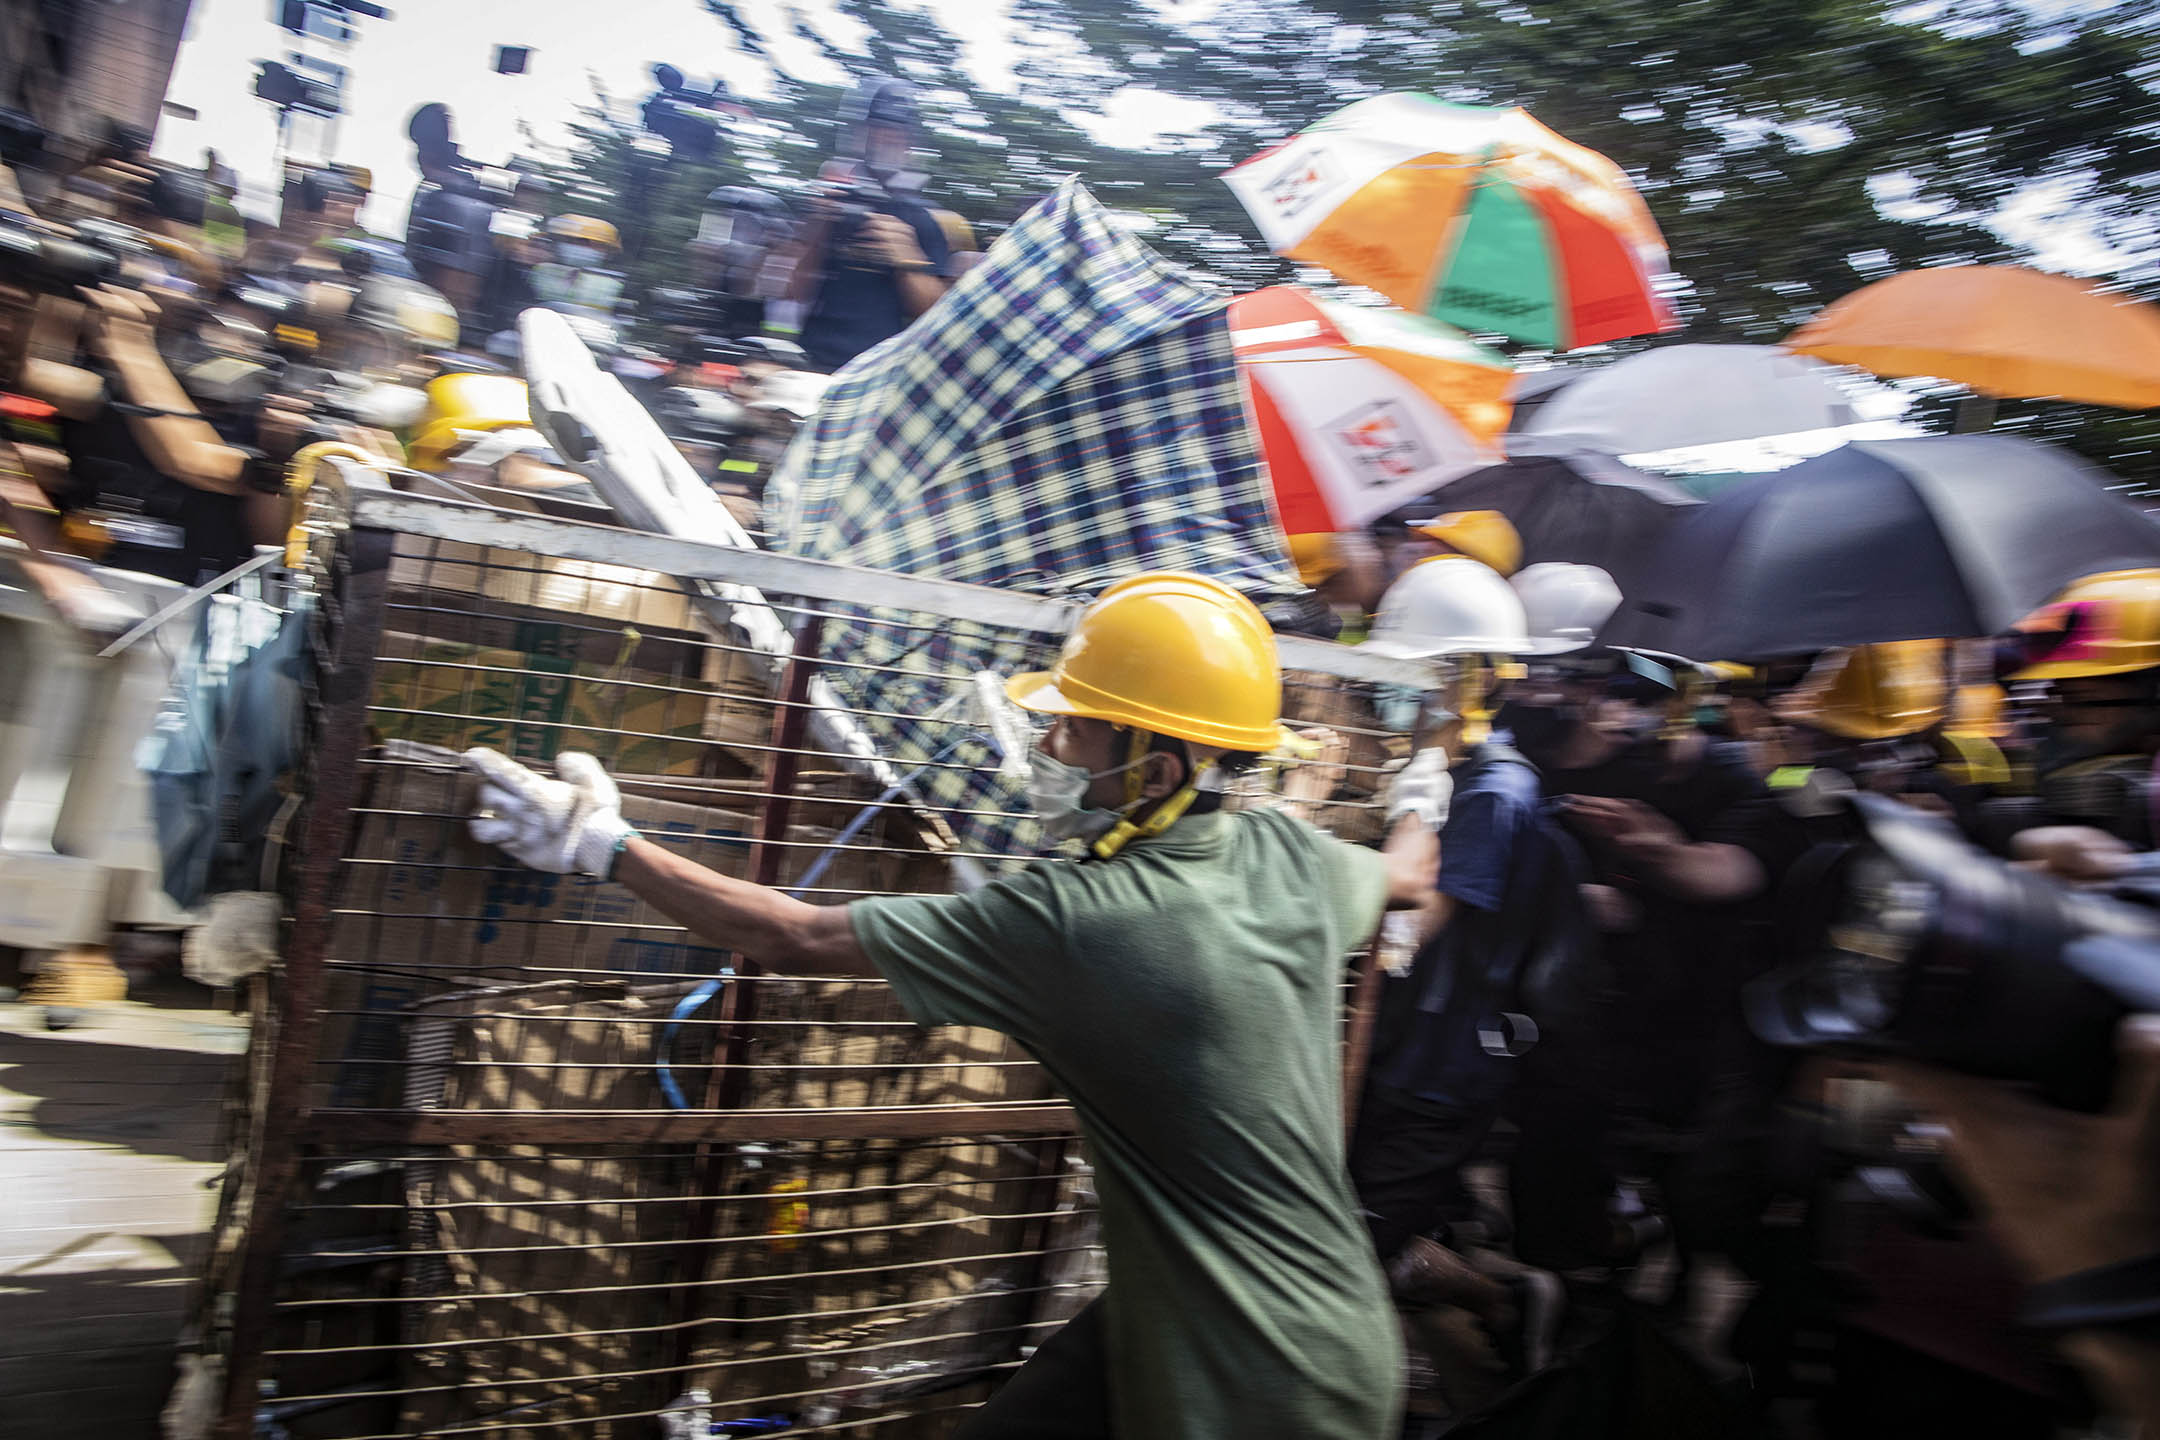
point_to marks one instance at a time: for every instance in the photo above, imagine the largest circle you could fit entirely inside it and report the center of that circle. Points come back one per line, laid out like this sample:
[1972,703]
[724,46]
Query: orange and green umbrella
[1475,215]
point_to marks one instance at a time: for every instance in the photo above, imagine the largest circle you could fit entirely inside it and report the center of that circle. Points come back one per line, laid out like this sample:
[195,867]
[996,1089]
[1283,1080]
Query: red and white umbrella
[1363,410]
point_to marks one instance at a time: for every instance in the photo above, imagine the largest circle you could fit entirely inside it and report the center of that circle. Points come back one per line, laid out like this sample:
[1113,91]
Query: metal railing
[508,1162]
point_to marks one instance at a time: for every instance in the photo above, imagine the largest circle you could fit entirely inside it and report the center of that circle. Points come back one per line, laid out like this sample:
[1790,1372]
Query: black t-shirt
[1678,973]
[858,299]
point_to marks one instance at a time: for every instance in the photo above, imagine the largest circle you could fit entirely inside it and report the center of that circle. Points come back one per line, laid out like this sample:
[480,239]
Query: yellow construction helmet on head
[1317,558]
[1171,654]
[586,230]
[458,406]
[1873,692]
[2106,624]
[1979,710]
[1486,536]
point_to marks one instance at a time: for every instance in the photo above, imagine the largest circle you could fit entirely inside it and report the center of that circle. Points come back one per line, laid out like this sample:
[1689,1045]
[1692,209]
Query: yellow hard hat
[460,404]
[1171,654]
[2108,624]
[1316,556]
[1486,536]
[587,229]
[1873,692]
[1980,711]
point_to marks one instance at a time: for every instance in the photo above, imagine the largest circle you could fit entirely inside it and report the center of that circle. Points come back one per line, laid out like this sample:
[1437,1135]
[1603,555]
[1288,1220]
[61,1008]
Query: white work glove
[570,825]
[1422,788]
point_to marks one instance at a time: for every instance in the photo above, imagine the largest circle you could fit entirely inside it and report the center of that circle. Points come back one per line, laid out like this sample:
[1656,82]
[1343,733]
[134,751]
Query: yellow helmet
[1486,536]
[461,404]
[1873,692]
[2106,624]
[1980,711]
[586,229]
[1316,556]
[1172,654]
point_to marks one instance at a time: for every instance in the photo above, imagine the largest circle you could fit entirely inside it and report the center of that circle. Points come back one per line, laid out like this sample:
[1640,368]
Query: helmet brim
[2080,669]
[1468,645]
[1037,691]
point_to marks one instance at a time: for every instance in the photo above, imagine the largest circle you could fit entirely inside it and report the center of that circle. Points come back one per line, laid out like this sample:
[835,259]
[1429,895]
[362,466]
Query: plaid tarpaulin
[1069,414]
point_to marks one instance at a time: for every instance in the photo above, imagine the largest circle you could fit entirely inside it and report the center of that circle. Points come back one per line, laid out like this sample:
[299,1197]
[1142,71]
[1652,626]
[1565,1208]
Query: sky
[444,50]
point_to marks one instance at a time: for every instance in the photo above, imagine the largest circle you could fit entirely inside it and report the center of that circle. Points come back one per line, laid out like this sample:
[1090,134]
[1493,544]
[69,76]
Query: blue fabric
[858,297]
[1068,415]
[1480,846]
[219,752]
[1494,859]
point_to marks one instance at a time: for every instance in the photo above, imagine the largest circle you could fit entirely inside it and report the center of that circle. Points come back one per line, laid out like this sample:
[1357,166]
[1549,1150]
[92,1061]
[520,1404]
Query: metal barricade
[508,1160]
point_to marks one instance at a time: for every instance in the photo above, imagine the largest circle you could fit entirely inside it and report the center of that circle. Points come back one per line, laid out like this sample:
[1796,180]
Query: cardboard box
[540,584]
[539,1277]
[422,907]
[532,703]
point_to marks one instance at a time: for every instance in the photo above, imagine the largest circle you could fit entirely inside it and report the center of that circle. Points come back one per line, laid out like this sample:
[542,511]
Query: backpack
[1529,985]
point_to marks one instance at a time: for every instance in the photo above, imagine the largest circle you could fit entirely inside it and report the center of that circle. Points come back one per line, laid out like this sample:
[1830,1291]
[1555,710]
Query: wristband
[622,843]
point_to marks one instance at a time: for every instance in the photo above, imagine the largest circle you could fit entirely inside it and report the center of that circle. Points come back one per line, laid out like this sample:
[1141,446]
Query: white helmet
[1451,605]
[1566,604]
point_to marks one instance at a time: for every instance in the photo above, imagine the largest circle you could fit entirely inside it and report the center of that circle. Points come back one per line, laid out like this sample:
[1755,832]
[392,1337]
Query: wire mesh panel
[522,1157]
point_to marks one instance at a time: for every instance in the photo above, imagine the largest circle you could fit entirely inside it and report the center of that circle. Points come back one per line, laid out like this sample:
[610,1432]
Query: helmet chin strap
[1168,813]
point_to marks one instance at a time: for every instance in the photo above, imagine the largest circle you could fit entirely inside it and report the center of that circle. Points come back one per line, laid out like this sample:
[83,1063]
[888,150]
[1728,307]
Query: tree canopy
[1790,153]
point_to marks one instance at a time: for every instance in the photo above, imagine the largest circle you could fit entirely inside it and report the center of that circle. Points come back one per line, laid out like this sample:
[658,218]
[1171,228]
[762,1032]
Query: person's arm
[1662,856]
[1412,854]
[809,261]
[573,824]
[915,270]
[780,933]
[2067,1192]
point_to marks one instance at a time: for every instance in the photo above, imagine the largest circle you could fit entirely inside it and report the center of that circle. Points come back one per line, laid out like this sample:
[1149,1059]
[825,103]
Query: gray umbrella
[1681,395]
[1944,536]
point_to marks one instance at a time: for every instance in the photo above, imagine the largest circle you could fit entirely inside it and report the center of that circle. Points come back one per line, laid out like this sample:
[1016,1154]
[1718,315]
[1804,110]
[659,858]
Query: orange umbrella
[1999,330]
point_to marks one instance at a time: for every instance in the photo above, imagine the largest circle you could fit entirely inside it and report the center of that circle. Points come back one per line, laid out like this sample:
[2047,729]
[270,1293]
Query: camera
[689,119]
[51,264]
[1920,946]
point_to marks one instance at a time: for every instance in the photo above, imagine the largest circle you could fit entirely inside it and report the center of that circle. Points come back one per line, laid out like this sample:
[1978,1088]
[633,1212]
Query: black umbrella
[1941,536]
[1570,504]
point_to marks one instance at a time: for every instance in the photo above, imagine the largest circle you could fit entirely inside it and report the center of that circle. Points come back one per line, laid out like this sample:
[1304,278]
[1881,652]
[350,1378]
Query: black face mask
[1538,730]
[2139,719]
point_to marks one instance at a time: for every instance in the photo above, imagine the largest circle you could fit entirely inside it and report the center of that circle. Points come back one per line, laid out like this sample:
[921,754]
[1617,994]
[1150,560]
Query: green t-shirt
[1186,997]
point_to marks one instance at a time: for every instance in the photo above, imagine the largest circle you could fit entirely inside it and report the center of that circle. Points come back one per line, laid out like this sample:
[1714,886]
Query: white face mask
[1056,790]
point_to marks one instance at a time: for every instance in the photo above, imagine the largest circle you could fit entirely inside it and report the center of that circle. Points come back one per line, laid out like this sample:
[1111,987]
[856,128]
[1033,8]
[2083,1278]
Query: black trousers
[1061,1393]
[1406,1159]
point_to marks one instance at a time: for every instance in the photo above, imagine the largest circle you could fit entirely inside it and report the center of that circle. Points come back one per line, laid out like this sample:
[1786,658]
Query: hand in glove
[1423,788]
[571,824]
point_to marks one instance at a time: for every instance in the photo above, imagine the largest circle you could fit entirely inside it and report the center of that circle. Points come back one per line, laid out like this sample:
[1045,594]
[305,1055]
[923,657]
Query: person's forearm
[2125,1370]
[1705,874]
[802,278]
[1412,854]
[777,931]
[920,289]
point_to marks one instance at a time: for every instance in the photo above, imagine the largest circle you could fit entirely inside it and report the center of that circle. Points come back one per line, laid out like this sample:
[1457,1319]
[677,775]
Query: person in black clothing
[1685,846]
[873,255]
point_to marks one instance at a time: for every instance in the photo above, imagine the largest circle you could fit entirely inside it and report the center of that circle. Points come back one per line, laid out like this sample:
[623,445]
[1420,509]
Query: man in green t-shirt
[1183,987]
